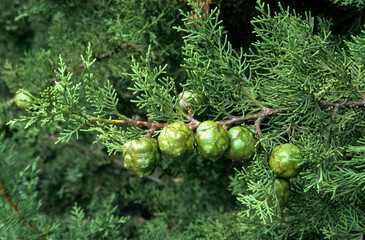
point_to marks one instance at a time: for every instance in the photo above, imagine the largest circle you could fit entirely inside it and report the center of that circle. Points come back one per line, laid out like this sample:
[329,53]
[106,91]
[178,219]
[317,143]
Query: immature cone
[141,156]
[21,100]
[242,144]
[212,140]
[176,140]
[189,100]
[283,160]
[282,190]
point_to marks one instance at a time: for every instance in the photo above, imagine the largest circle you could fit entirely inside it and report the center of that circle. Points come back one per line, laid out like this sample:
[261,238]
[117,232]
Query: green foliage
[214,68]
[104,226]
[24,219]
[155,93]
[356,3]
[142,23]
[32,79]
[62,104]
[144,54]
[14,33]
[295,63]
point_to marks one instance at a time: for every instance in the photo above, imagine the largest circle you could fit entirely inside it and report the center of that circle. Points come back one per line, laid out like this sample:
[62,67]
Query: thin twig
[193,123]
[257,124]
[342,103]
[156,180]
[257,117]
[8,199]
[252,98]
[130,44]
[134,122]
[362,95]
[14,205]
[151,131]
[291,130]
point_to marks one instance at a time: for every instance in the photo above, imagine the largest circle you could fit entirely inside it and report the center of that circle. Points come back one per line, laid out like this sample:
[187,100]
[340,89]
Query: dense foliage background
[63,177]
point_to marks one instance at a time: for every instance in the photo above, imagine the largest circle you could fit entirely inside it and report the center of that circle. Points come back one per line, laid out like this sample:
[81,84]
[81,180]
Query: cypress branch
[14,205]
[300,81]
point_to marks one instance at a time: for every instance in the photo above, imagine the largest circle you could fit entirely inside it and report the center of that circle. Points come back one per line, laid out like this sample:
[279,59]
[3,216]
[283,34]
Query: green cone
[242,144]
[190,100]
[282,160]
[212,140]
[282,191]
[141,156]
[21,100]
[176,140]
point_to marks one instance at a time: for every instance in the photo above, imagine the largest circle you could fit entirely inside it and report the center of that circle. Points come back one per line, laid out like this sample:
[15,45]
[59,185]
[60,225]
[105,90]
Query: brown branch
[151,131]
[335,110]
[8,199]
[136,122]
[257,117]
[362,95]
[193,123]
[156,180]
[257,125]
[130,44]
[14,205]
[265,112]
[291,130]
[343,103]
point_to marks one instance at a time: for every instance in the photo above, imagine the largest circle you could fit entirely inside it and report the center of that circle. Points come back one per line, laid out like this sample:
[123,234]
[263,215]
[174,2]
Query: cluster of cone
[283,160]
[177,141]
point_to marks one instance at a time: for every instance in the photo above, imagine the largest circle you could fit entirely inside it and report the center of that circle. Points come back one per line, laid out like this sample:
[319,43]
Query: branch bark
[256,117]
[343,103]
[14,205]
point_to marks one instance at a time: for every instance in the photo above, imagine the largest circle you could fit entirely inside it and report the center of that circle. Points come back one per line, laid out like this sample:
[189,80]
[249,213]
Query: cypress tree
[95,75]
